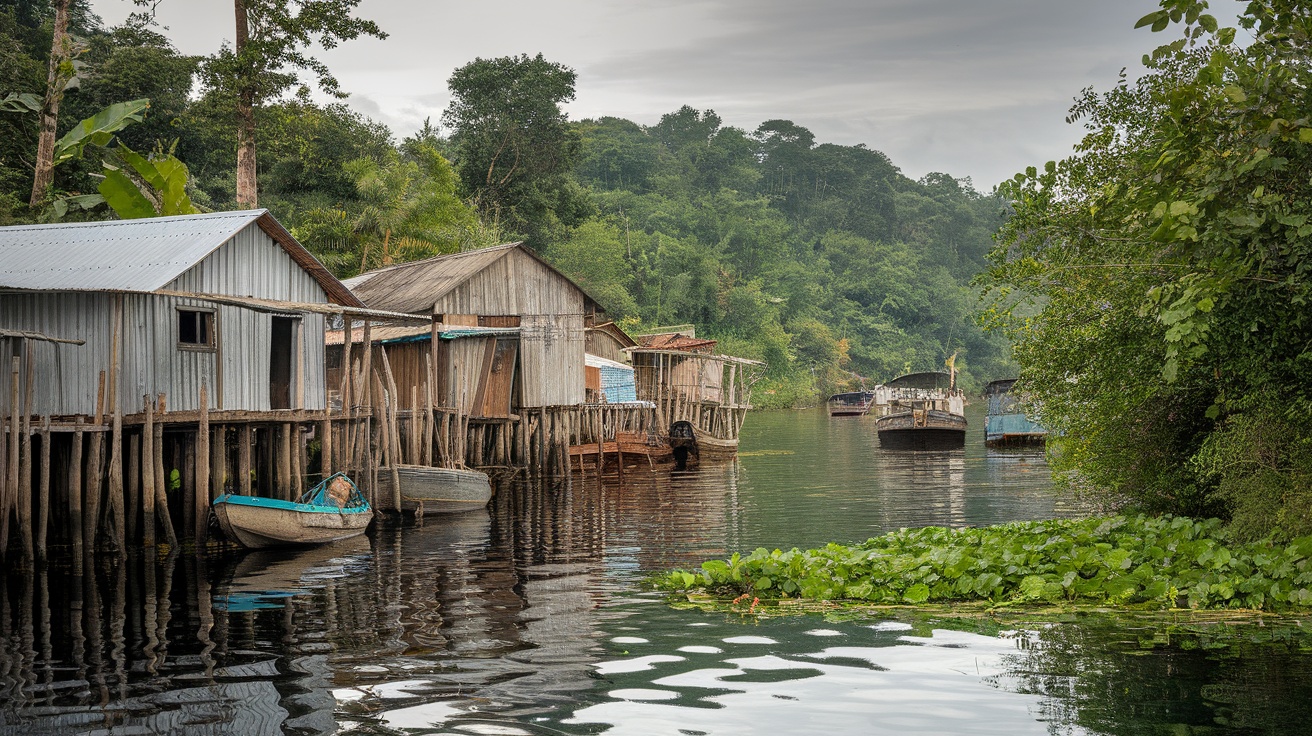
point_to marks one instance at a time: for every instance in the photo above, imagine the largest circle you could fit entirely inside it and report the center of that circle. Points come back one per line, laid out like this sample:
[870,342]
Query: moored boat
[427,490]
[332,510]
[710,447]
[850,404]
[925,411]
[1006,424]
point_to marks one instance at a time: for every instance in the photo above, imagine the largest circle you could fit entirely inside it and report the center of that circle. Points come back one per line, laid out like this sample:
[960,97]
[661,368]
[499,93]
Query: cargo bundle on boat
[924,411]
[1007,424]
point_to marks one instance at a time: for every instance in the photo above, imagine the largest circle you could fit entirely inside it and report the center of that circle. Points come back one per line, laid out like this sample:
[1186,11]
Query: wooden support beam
[285,462]
[201,488]
[148,475]
[218,463]
[244,460]
[10,494]
[116,490]
[133,487]
[25,465]
[75,522]
[161,487]
[43,513]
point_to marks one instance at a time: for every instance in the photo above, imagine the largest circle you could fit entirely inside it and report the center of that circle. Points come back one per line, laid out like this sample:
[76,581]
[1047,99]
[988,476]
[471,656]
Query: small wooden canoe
[437,490]
[332,510]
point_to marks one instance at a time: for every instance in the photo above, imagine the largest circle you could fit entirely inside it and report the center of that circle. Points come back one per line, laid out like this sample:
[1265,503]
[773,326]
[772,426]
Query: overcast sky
[976,88]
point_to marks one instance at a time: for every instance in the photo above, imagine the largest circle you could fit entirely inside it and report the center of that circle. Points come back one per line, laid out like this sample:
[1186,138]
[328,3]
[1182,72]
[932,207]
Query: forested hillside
[822,259]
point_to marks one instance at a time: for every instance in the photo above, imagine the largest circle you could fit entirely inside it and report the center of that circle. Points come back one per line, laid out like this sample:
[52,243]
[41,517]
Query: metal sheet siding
[251,264]
[67,376]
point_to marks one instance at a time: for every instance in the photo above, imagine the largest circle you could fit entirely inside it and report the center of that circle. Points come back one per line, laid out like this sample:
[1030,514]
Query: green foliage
[99,129]
[1154,281]
[514,150]
[1155,563]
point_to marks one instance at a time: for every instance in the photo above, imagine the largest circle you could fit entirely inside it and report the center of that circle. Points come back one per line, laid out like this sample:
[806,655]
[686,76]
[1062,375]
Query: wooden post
[43,514]
[201,490]
[347,369]
[161,487]
[218,462]
[133,487]
[116,481]
[148,475]
[25,466]
[10,494]
[244,459]
[91,509]
[428,411]
[285,461]
[75,522]
[326,443]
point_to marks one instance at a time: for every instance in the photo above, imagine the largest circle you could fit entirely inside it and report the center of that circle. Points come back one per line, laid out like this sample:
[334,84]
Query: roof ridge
[247,214]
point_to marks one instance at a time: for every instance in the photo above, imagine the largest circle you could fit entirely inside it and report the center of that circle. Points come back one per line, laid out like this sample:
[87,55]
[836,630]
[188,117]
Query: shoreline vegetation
[1131,563]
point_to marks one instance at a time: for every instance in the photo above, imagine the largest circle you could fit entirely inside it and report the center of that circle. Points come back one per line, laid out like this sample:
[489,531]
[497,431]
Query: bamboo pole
[148,475]
[43,514]
[201,489]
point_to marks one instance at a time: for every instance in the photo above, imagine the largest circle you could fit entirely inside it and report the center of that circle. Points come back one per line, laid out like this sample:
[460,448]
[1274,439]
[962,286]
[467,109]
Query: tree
[271,41]
[59,73]
[514,148]
[1155,282]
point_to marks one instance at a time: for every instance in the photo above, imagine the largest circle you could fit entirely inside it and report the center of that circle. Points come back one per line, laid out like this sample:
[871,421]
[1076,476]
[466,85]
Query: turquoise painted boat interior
[314,500]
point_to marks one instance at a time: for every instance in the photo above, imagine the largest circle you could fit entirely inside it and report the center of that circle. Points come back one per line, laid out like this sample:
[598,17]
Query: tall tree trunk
[247,195]
[60,49]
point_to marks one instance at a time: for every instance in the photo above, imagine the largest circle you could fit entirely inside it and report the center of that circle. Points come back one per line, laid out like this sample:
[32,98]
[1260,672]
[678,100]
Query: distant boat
[851,404]
[437,490]
[925,411]
[1006,425]
[332,510]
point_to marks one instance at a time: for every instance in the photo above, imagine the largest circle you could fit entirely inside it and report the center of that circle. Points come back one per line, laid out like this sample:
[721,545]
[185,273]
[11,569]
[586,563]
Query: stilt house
[163,305]
[509,329]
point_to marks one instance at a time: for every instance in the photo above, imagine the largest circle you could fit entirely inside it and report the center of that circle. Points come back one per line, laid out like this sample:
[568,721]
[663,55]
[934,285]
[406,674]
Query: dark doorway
[282,362]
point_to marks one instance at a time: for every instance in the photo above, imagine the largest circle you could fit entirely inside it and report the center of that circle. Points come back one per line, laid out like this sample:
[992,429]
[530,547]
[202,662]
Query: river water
[529,618]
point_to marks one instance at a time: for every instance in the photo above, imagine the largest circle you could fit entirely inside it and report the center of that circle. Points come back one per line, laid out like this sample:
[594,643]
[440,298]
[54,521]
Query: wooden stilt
[10,494]
[25,469]
[148,475]
[161,488]
[218,462]
[201,490]
[244,460]
[43,491]
[133,487]
[326,444]
[116,481]
[75,522]
[285,461]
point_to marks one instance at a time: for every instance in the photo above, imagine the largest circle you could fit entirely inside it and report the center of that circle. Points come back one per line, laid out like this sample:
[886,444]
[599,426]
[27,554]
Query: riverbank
[1139,562]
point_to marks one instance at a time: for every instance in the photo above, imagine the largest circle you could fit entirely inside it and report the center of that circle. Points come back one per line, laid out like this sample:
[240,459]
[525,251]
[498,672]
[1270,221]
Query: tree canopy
[1155,282]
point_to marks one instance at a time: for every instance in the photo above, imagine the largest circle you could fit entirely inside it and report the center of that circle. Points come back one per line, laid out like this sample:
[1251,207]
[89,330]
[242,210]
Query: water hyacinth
[1145,562]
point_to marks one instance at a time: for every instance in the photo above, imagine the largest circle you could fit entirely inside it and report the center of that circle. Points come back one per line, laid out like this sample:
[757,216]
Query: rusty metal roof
[136,255]
[416,286]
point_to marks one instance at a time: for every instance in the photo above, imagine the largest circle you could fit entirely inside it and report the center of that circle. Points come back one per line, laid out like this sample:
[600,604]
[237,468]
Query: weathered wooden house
[509,325]
[210,326]
[163,305]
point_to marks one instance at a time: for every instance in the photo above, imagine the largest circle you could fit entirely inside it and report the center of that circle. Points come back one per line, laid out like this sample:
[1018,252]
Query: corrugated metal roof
[416,286]
[124,255]
[136,255]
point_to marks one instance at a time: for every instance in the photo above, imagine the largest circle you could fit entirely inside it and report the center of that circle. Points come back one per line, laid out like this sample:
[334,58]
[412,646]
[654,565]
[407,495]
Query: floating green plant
[1142,562]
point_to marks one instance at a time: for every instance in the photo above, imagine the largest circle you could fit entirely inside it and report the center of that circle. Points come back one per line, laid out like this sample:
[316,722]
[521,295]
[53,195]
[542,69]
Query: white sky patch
[968,88]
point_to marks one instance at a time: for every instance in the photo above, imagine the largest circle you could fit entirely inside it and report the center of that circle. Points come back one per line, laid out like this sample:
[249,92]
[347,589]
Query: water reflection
[527,618]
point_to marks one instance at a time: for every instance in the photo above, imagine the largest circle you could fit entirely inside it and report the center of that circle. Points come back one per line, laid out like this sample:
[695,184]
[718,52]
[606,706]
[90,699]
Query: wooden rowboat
[332,510]
[437,490]
[710,447]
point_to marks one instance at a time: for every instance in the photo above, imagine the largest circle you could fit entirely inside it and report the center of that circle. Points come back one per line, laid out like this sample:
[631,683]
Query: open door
[282,361]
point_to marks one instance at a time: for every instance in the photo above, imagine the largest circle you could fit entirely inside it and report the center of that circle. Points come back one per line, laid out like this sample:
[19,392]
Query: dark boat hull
[921,430]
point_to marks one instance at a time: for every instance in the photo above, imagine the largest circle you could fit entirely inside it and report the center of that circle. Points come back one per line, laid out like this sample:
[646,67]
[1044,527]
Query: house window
[196,329]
